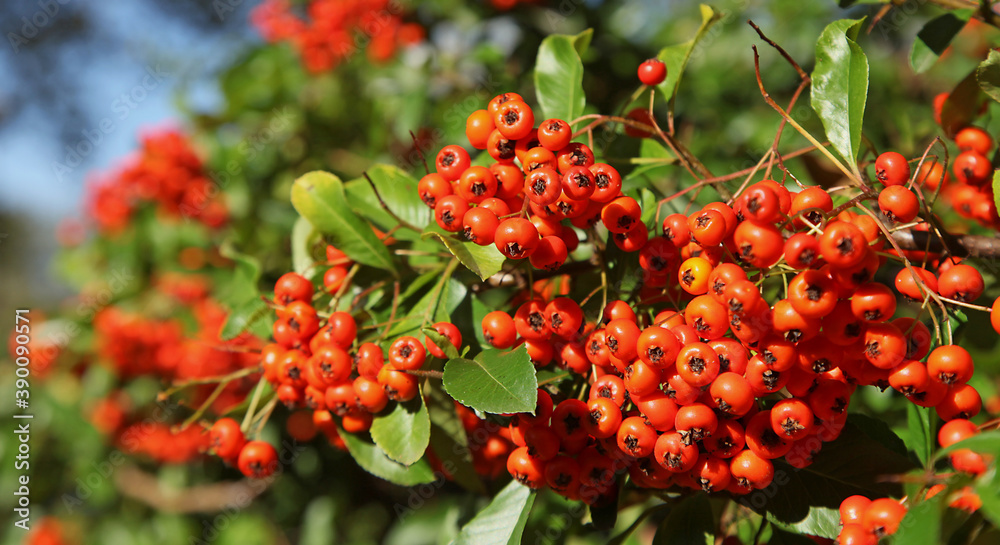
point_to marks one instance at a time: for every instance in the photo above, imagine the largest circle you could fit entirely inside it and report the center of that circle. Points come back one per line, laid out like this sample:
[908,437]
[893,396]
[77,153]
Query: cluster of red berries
[335,29]
[539,179]
[972,193]
[864,521]
[136,345]
[668,406]
[690,396]
[166,171]
[162,443]
[310,365]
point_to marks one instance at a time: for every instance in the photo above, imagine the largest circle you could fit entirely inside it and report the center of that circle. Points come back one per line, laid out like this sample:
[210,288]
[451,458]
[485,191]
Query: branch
[402,223]
[956,245]
[208,498]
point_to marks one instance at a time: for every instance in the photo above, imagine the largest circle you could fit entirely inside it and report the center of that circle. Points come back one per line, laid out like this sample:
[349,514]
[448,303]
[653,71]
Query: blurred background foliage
[259,119]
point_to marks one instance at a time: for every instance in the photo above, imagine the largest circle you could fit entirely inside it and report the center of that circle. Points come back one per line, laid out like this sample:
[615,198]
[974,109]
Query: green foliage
[320,198]
[935,37]
[987,442]
[304,239]
[404,433]
[676,57]
[988,75]
[484,261]
[502,521]
[920,437]
[559,76]
[840,86]
[922,523]
[851,464]
[374,460]
[398,190]
[690,522]
[494,381]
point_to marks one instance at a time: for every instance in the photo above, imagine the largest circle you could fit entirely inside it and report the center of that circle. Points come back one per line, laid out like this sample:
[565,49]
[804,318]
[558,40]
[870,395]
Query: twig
[426,373]
[248,417]
[392,313]
[416,146]
[178,386]
[770,101]
[207,498]
[204,406]
[958,246]
[802,73]
[402,223]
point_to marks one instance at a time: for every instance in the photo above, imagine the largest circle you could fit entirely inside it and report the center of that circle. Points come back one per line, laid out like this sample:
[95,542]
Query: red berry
[258,459]
[652,72]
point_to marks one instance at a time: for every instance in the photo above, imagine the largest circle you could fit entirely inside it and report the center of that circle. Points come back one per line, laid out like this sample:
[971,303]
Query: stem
[264,415]
[204,406]
[770,101]
[426,373]
[392,313]
[402,223]
[247,418]
[178,386]
[919,282]
[416,146]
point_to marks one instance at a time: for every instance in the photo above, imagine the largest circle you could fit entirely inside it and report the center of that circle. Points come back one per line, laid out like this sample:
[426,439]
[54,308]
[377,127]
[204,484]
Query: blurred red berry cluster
[167,171]
[333,30]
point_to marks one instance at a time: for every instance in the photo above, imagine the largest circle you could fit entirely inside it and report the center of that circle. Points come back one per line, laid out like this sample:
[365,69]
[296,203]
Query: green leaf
[689,523]
[821,521]
[450,442]
[840,87]
[319,196]
[485,261]
[304,237]
[934,38]
[676,57]
[989,493]
[878,430]
[495,381]
[374,460]
[996,187]
[987,442]
[652,165]
[988,75]
[559,75]
[502,521]
[405,432]
[922,523]
[627,532]
[243,285]
[399,192]
[437,305]
[254,316]
[921,436]
[442,342]
[851,464]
